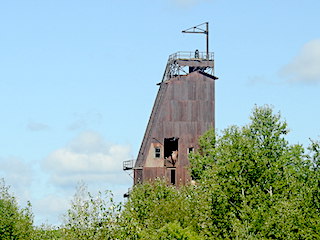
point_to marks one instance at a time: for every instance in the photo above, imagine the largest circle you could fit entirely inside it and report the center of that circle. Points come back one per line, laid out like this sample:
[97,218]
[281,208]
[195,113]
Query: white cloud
[305,67]
[88,157]
[17,174]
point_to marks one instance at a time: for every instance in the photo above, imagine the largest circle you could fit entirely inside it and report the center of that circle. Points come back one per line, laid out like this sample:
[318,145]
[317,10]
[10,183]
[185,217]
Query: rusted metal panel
[138,176]
[150,173]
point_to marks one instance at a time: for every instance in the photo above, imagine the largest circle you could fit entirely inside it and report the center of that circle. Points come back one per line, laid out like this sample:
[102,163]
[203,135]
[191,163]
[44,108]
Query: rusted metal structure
[183,110]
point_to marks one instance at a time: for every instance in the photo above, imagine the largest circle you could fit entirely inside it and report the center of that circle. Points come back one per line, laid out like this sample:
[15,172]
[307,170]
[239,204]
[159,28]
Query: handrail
[172,65]
[191,56]
[128,165]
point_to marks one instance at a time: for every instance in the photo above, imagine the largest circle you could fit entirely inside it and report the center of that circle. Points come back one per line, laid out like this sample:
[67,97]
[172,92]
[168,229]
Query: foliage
[15,223]
[91,217]
[151,206]
[258,184]
[171,230]
[202,160]
[313,187]
[49,232]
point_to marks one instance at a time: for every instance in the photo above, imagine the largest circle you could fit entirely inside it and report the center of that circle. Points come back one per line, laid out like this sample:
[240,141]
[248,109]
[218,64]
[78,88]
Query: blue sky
[78,80]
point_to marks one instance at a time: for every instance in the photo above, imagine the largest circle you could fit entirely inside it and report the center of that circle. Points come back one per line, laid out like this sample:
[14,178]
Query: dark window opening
[190,150]
[173,177]
[170,151]
[157,152]
[170,145]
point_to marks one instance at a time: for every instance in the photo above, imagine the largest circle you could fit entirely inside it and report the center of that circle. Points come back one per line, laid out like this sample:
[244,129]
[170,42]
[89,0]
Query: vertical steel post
[207,32]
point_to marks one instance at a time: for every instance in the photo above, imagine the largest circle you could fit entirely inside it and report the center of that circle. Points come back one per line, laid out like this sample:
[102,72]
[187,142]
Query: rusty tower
[183,110]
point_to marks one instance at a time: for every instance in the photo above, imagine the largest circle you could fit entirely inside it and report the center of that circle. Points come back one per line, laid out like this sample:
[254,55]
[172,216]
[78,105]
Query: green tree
[313,185]
[15,223]
[154,205]
[254,180]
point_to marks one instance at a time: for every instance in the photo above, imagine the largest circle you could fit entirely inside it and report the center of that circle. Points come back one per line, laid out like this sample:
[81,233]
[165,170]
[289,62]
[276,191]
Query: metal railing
[191,56]
[128,165]
[173,68]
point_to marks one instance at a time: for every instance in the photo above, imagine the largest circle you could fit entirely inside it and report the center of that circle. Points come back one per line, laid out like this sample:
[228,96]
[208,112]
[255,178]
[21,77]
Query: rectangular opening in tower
[170,151]
[173,176]
[170,147]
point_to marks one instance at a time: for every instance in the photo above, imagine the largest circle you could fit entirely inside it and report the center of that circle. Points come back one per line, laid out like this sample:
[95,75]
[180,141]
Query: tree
[15,223]
[156,209]
[171,230]
[251,174]
[314,176]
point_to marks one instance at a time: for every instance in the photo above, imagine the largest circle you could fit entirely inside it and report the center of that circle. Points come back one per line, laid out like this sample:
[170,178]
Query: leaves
[256,179]
[15,223]
[91,217]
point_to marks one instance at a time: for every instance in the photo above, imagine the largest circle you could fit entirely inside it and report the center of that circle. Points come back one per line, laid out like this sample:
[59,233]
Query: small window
[190,150]
[157,152]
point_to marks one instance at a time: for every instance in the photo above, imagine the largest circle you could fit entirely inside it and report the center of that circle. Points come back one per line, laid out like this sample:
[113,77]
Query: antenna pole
[197,29]
[207,37]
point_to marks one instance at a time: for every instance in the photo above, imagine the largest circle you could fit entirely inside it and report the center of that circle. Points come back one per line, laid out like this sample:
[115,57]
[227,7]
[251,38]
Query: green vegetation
[250,184]
[15,223]
[91,217]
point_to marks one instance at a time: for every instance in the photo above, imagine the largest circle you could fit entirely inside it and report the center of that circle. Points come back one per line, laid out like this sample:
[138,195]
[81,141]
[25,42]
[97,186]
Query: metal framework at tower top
[199,30]
[180,63]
